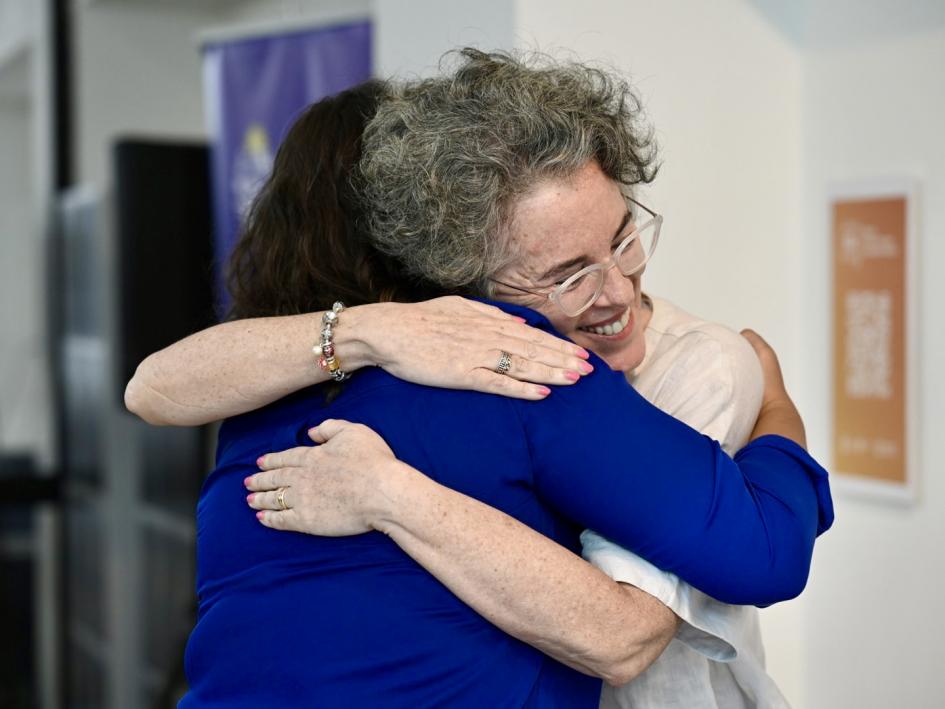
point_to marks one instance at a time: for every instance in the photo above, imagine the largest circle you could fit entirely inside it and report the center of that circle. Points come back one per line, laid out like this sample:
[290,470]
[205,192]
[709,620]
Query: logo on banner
[251,168]
[255,88]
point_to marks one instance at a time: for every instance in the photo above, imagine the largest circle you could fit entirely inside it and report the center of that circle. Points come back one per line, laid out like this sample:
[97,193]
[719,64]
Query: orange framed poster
[874,327]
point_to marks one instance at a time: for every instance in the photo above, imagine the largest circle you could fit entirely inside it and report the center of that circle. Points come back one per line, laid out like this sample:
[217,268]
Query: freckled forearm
[523,582]
[238,366]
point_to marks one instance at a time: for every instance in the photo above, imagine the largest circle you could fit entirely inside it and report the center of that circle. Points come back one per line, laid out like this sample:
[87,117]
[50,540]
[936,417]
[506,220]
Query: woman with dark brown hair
[295,620]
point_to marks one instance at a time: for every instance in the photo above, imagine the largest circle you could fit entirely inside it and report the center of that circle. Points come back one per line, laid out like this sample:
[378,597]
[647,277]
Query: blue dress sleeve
[740,530]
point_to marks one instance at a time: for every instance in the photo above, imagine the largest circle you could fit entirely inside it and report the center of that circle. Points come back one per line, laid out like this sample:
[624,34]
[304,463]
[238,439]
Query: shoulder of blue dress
[304,400]
[532,317]
[275,412]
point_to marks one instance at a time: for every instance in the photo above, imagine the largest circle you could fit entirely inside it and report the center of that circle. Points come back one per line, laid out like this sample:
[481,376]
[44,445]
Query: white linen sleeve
[711,379]
[706,629]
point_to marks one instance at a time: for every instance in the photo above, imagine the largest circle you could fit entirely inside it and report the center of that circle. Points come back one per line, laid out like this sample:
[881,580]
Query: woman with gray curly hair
[448,162]
[500,181]
[529,210]
[511,165]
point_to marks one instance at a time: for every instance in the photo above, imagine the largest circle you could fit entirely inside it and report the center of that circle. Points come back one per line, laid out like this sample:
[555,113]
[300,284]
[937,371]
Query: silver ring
[281,498]
[505,363]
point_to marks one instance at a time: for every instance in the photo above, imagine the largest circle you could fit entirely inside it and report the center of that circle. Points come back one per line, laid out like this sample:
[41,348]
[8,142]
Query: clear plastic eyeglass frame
[655,222]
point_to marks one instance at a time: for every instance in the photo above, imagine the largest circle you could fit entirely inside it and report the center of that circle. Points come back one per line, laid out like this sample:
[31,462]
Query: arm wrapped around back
[741,530]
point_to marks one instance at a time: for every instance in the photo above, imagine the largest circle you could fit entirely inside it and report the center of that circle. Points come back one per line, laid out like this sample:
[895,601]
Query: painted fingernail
[249,497]
[259,461]
[571,376]
[520,319]
[246,480]
[543,391]
[259,515]
[586,367]
[583,353]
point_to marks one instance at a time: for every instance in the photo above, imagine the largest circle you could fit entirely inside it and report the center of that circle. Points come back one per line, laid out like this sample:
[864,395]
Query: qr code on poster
[869,344]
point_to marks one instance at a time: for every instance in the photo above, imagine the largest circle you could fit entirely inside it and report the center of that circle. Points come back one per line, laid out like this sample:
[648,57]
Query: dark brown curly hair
[302,248]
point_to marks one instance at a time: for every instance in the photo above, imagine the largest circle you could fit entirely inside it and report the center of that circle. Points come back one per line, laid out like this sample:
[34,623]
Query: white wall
[137,71]
[873,635]
[25,422]
[723,89]
[255,16]
[290,10]
[16,20]
[21,310]
[412,35]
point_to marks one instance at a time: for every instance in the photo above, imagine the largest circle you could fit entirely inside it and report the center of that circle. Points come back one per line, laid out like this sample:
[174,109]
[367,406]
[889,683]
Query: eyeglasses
[580,291]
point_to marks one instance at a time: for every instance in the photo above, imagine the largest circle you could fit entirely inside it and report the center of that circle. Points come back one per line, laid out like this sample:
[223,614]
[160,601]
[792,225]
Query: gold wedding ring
[281,498]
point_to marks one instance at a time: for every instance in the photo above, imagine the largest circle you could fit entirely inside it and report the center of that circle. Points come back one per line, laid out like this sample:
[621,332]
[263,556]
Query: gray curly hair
[445,159]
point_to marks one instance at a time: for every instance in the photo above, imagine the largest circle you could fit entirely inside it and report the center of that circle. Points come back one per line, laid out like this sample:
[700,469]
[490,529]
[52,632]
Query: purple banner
[254,90]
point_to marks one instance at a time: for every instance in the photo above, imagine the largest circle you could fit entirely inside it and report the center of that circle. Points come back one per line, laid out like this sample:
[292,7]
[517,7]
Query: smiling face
[560,227]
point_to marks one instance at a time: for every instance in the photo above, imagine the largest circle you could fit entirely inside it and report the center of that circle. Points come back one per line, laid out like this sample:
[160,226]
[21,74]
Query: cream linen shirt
[709,377]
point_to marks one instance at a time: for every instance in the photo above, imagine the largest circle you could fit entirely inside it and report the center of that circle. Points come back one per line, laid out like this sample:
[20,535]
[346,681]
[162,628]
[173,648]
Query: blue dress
[291,620]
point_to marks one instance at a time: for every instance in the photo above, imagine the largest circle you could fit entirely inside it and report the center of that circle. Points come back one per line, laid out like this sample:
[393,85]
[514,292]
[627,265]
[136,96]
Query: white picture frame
[850,483]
